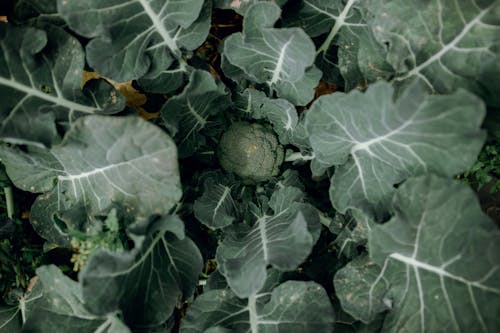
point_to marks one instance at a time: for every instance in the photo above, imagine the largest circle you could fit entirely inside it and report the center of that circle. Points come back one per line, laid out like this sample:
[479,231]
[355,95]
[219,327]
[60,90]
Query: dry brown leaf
[324,88]
[147,115]
[33,282]
[134,97]
[87,76]
[3,19]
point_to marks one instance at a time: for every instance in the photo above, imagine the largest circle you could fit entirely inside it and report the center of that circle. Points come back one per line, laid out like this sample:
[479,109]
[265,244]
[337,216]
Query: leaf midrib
[49,98]
[416,70]
[157,23]
[415,263]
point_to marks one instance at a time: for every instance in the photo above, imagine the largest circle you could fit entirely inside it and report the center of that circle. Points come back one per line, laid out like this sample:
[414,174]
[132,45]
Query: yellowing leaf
[147,115]
[134,97]
[87,76]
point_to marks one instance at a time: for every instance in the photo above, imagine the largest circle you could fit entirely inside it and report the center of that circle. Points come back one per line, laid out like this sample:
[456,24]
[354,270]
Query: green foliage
[486,169]
[107,235]
[450,266]
[361,227]
[21,252]
[404,139]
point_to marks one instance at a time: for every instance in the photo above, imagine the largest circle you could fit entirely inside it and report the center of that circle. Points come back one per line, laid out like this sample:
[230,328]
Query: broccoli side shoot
[251,151]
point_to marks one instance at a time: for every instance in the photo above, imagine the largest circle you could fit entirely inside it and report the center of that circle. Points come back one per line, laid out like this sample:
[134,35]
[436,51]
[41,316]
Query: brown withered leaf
[3,19]
[33,282]
[87,76]
[134,97]
[324,88]
[147,115]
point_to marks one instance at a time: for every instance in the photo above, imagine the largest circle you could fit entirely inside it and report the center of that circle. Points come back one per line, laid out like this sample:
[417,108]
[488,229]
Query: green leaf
[10,321]
[33,172]
[292,307]
[377,142]
[175,74]
[168,80]
[359,296]
[233,72]
[444,45]
[282,239]
[241,6]
[192,38]
[347,324]
[187,114]
[279,112]
[12,317]
[349,46]
[136,37]
[302,91]
[40,85]
[55,224]
[102,161]
[438,264]
[147,283]
[352,230]
[60,308]
[216,208]
[36,12]
[268,55]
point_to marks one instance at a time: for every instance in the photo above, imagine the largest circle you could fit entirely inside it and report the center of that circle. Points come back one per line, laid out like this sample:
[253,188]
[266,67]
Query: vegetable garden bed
[250,166]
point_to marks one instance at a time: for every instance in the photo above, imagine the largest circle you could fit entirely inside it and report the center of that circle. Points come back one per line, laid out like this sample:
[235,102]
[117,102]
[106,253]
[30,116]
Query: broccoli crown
[251,151]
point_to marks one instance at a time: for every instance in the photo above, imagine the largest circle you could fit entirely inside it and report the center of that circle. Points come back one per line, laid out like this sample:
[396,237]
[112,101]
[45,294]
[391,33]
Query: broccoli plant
[251,151]
[159,176]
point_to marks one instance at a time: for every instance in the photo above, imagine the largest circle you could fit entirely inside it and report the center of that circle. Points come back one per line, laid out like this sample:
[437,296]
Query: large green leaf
[377,142]
[12,317]
[40,85]
[147,283]
[188,113]
[9,319]
[35,12]
[437,266]
[349,46]
[101,161]
[268,55]
[445,44]
[135,37]
[175,74]
[59,308]
[241,6]
[292,307]
[282,239]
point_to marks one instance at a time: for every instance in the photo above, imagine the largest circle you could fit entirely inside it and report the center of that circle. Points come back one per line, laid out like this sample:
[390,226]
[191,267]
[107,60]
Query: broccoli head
[251,151]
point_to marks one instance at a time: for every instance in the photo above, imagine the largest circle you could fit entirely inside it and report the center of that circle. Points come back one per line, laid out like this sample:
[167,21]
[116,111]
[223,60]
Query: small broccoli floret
[251,151]
[101,235]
